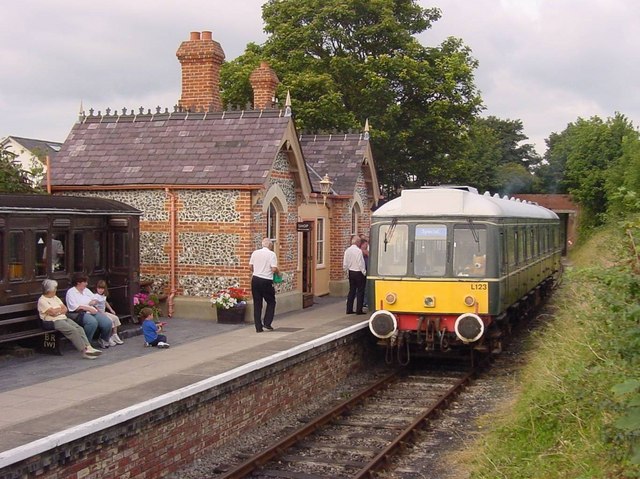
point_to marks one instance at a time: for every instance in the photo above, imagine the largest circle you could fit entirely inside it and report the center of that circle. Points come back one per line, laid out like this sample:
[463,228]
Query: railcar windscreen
[430,250]
[469,250]
[392,254]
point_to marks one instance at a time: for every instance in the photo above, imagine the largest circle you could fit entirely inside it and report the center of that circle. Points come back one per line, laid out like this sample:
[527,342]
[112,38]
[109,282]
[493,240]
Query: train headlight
[383,324]
[391,298]
[469,327]
[469,300]
[430,302]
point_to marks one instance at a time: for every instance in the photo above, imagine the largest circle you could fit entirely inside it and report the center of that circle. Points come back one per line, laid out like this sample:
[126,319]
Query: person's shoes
[112,341]
[360,312]
[91,351]
[162,345]
[259,330]
[351,312]
[103,344]
[147,345]
[88,356]
[269,328]
[117,339]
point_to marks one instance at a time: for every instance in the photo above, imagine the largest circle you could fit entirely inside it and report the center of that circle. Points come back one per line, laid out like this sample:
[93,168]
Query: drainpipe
[172,252]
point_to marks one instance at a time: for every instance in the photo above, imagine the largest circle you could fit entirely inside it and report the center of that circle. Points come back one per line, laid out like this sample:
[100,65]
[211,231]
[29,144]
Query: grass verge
[577,413]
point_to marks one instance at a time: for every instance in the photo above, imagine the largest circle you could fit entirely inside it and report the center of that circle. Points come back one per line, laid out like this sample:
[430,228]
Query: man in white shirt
[353,263]
[263,263]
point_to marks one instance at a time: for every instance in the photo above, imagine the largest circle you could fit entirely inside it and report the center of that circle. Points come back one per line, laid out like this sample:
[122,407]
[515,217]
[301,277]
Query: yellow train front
[452,270]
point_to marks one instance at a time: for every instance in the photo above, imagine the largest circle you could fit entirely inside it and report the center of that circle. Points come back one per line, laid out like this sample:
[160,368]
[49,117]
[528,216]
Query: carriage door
[306,229]
[122,263]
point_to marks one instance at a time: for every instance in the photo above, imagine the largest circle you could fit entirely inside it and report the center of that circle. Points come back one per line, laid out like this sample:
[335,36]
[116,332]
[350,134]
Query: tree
[589,162]
[12,179]
[346,61]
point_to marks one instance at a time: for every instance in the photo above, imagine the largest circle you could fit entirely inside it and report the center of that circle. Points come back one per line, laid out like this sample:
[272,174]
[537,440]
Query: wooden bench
[19,322]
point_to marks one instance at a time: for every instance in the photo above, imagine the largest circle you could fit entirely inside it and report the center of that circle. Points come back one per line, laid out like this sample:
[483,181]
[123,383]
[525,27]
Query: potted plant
[146,300]
[230,304]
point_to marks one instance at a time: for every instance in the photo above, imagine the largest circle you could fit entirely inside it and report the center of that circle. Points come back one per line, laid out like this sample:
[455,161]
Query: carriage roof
[35,203]
[459,202]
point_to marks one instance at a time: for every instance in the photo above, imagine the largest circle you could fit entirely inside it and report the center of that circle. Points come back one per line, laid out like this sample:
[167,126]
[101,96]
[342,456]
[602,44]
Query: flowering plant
[146,300]
[229,298]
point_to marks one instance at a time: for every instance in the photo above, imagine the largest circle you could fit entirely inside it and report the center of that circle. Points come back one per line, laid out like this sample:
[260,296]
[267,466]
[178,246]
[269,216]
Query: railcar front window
[470,251]
[16,255]
[40,249]
[392,250]
[430,251]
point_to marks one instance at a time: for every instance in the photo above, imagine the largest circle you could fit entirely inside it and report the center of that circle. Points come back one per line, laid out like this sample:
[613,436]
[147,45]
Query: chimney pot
[206,35]
[195,36]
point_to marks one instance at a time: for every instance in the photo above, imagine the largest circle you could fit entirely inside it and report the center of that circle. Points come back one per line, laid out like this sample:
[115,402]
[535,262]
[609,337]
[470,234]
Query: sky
[544,62]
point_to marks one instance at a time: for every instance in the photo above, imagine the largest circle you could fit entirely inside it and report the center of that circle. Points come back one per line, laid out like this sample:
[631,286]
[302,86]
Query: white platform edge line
[12,456]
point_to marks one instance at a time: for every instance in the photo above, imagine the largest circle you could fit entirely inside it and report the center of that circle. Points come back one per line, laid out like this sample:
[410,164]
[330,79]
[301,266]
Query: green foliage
[12,178]
[591,160]
[346,61]
[578,412]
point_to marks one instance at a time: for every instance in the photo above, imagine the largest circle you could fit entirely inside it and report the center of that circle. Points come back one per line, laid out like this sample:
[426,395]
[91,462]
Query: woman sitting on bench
[53,315]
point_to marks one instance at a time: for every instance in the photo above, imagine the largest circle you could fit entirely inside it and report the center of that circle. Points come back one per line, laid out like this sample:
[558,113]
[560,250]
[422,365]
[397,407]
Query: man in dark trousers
[263,264]
[353,262]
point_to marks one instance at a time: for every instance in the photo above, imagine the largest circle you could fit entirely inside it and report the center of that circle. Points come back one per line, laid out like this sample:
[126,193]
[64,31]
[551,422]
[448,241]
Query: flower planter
[233,315]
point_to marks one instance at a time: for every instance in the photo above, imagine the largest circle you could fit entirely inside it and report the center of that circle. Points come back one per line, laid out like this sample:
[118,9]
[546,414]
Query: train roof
[80,205]
[459,202]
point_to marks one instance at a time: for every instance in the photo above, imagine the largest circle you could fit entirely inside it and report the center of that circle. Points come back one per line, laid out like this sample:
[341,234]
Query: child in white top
[103,305]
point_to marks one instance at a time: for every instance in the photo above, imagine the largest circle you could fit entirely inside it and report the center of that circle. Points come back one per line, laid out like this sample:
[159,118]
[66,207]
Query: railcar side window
[98,255]
[120,255]
[430,251]
[16,255]
[59,247]
[78,251]
[469,250]
[40,259]
[392,250]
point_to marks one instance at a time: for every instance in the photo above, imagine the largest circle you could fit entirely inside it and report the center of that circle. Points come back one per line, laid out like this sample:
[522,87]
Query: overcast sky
[545,62]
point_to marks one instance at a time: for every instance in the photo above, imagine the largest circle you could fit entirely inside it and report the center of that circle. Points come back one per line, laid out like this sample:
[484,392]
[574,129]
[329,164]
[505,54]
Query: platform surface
[41,395]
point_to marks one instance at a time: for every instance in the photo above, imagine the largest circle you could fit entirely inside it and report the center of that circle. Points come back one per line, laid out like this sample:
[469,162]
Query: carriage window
[40,249]
[430,253]
[120,256]
[78,251]
[512,238]
[393,246]
[16,255]
[521,246]
[59,246]
[98,256]
[469,250]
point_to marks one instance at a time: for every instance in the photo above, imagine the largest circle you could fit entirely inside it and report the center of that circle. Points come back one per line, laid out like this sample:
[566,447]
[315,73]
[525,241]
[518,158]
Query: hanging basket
[233,315]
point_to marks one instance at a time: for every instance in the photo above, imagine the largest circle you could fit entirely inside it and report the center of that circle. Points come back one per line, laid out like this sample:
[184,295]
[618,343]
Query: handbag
[277,278]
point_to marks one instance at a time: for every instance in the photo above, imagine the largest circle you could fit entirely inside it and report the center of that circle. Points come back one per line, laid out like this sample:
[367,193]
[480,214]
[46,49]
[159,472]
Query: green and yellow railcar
[450,269]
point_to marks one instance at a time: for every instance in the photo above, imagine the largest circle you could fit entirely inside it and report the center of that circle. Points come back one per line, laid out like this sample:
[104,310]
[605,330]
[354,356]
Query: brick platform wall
[162,441]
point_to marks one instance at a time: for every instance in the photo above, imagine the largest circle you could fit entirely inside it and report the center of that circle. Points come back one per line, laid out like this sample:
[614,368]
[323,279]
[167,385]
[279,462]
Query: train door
[122,263]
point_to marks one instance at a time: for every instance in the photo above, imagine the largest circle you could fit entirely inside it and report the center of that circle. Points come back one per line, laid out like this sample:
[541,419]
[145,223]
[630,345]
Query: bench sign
[303,226]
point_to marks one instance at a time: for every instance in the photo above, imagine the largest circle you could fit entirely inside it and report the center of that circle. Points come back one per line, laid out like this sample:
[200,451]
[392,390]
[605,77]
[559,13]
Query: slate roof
[179,148]
[50,148]
[340,156]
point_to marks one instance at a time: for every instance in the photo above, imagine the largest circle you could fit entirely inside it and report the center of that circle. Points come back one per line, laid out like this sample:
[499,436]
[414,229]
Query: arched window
[355,218]
[272,223]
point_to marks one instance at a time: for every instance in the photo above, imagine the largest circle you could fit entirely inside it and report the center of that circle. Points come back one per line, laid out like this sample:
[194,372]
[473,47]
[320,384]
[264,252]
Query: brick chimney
[200,58]
[264,82]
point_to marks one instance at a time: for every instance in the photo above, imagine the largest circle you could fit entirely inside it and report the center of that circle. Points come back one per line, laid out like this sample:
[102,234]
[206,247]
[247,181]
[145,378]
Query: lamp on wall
[325,188]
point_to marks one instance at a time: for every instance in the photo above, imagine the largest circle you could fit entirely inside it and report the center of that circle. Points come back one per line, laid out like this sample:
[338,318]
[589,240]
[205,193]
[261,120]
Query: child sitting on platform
[150,330]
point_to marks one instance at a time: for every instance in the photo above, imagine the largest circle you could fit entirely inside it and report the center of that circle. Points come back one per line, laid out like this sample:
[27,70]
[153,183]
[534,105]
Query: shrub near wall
[160,442]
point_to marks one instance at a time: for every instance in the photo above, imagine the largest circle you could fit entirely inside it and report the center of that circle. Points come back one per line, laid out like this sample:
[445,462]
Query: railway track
[361,435]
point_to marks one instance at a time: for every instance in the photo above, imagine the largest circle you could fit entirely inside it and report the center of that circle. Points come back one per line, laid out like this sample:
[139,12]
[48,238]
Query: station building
[212,184]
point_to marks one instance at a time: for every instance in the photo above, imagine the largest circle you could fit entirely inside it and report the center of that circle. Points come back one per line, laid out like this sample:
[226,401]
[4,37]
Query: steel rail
[257,461]
[385,455]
